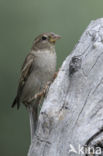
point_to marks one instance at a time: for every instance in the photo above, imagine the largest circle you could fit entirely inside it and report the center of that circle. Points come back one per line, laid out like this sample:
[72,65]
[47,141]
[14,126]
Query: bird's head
[45,41]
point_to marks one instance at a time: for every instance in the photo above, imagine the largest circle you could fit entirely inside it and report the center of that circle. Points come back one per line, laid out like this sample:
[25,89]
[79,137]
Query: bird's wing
[25,72]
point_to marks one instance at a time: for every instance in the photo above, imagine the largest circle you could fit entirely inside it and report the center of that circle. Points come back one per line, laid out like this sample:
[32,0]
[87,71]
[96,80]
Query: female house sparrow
[38,68]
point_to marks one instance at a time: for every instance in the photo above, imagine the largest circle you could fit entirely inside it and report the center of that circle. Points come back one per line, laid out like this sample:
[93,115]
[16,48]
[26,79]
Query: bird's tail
[16,102]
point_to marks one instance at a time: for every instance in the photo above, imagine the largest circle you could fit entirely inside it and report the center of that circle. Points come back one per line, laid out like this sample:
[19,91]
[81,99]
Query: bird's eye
[44,37]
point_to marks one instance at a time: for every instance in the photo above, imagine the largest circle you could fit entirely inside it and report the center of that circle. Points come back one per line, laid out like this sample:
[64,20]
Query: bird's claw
[40,94]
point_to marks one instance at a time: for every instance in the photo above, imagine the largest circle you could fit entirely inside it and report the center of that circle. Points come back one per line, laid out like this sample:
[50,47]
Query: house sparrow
[38,68]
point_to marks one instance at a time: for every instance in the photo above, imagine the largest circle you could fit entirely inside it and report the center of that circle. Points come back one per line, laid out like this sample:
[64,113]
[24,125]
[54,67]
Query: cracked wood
[72,112]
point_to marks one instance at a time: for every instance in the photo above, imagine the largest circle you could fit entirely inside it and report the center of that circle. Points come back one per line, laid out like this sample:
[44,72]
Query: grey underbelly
[42,71]
[35,83]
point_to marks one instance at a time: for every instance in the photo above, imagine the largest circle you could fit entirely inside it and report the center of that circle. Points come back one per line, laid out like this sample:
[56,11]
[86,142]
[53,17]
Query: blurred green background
[20,22]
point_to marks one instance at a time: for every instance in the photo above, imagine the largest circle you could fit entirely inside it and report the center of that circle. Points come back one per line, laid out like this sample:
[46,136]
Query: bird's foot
[55,75]
[40,94]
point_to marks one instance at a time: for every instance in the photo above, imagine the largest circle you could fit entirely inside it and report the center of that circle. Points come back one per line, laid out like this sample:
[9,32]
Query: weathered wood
[72,112]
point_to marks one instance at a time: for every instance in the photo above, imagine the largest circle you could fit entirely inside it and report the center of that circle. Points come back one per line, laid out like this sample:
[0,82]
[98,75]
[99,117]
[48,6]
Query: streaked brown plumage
[38,68]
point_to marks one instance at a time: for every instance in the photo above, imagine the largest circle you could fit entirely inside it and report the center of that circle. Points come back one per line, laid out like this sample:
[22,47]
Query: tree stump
[71,118]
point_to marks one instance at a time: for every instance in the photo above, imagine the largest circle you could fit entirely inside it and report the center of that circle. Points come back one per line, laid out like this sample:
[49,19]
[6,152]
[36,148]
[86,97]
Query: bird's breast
[45,62]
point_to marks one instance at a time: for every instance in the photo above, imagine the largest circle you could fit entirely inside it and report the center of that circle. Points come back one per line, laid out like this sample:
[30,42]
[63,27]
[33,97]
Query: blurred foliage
[20,22]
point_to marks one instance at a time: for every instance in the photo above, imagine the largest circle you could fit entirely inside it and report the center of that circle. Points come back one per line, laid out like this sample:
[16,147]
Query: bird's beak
[54,37]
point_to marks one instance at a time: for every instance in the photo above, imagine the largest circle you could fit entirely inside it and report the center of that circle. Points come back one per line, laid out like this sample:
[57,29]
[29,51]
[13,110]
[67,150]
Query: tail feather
[16,102]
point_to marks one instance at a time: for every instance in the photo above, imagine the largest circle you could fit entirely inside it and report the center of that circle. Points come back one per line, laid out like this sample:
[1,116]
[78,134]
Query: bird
[38,68]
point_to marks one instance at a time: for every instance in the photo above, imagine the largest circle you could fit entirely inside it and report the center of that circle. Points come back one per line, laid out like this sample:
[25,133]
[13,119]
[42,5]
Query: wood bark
[71,117]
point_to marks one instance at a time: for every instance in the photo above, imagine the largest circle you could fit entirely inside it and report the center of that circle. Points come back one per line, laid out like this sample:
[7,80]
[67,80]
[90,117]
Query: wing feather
[25,72]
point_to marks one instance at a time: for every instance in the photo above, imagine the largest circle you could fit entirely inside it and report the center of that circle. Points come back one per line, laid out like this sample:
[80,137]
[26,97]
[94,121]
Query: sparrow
[38,68]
